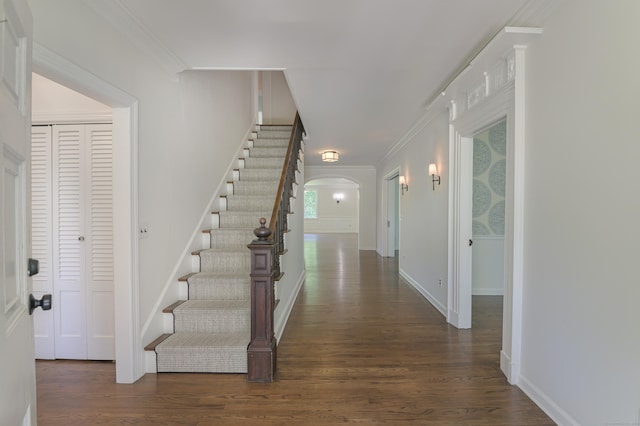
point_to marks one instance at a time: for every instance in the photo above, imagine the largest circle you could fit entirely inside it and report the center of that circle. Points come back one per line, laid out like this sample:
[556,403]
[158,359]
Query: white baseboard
[545,403]
[288,306]
[436,304]
[510,370]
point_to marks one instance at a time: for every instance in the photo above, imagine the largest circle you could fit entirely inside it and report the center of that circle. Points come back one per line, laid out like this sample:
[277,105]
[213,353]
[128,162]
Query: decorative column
[262,350]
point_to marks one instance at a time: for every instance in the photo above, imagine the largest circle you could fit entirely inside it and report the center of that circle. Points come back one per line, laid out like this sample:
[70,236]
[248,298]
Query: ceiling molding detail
[485,60]
[533,13]
[121,18]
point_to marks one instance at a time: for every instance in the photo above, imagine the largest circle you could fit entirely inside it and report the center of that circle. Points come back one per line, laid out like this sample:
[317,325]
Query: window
[310,204]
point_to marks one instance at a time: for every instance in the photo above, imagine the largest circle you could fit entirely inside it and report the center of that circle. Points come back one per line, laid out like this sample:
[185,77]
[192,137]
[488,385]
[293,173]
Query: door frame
[387,245]
[128,347]
[482,108]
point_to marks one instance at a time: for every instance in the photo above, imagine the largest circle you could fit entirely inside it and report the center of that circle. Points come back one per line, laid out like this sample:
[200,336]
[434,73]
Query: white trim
[129,351]
[71,117]
[410,134]
[430,298]
[491,88]
[282,321]
[497,291]
[488,237]
[546,403]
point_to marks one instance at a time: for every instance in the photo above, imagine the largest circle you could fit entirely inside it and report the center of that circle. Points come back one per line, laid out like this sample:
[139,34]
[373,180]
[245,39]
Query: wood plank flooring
[361,346]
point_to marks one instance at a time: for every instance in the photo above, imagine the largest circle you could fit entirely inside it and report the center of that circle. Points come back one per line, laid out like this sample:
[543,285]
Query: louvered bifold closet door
[99,243]
[70,294]
[82,241]
[42,236]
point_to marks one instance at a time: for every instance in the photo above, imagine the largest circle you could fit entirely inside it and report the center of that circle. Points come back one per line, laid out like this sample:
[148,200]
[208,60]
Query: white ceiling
[361,71]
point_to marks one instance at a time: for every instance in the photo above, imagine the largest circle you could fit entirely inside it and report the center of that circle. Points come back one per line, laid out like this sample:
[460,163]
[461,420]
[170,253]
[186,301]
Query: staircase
[212,329]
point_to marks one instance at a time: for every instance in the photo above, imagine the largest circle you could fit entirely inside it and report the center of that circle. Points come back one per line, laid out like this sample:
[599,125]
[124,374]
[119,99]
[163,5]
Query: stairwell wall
[189,127]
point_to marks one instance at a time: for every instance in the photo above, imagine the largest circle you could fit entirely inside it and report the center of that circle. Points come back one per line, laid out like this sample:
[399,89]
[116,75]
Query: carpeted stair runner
[213,328]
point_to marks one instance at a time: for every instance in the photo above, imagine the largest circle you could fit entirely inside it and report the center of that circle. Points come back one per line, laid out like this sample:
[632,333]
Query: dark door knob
[33,267]
[470,243]
[44,303]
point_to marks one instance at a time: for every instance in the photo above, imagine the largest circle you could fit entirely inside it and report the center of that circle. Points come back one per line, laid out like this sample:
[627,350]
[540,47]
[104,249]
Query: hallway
[360,346]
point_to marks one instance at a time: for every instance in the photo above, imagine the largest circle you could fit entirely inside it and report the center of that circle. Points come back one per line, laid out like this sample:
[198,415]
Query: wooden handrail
[265,268]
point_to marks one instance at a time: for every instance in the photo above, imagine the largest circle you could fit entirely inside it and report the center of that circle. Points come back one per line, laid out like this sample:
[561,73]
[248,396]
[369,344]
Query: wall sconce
[433,171]
[338,196]
[330,156]
[403,185]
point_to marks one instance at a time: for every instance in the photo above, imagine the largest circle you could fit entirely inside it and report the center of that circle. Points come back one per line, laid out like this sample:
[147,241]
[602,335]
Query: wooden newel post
[262,350]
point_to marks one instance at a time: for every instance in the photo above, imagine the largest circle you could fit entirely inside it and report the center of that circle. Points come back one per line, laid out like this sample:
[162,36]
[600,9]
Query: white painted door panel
[99,243]
[68,200]
[17,370]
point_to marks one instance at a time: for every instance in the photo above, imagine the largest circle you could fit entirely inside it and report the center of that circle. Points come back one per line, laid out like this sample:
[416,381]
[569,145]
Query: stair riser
[209,360]
[225,262]
[268,152]
[255,188]
[254,203]
[260,175]
[217,290]
[222,321]
[228,220]
[263,163]
[276,134]
[271,143]
[231,240]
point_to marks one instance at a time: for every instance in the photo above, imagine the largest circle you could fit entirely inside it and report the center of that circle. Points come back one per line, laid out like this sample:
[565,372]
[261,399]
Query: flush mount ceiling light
[330,156]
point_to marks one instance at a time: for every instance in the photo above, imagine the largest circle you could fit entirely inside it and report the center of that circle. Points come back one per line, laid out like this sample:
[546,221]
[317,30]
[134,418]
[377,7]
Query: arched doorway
[332,205]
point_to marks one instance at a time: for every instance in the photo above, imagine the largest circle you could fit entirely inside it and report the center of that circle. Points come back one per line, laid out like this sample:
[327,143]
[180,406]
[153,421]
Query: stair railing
[265,268]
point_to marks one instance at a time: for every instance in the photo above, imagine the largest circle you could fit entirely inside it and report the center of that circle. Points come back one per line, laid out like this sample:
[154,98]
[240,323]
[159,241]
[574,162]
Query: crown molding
[125,22]
[487,62]
[533,14]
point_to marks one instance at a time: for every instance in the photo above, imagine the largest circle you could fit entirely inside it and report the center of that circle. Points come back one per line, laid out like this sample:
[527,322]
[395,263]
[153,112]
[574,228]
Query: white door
[73,234]
[392,216]
[17,367]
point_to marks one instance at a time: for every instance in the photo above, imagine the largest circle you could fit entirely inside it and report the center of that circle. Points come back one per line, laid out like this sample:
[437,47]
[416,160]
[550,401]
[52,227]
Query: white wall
[277,104]
[189,128]
[581,345]
[365,177]
[423,211]
[334,217]
[54,103]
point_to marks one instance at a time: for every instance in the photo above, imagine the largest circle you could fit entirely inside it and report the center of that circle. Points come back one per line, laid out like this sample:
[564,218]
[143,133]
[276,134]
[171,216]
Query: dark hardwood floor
[361,346]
